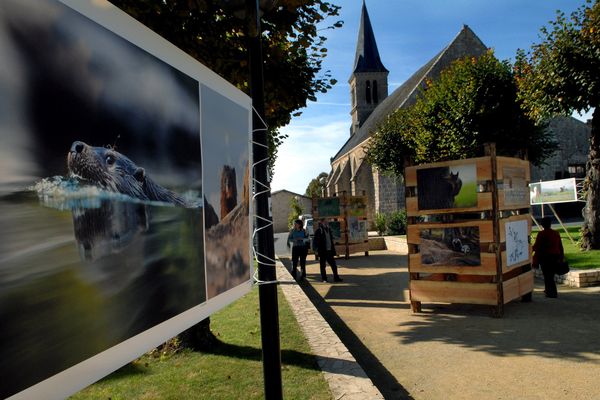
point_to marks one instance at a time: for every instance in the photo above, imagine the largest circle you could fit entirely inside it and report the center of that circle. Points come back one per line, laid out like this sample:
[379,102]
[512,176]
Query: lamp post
[249,10]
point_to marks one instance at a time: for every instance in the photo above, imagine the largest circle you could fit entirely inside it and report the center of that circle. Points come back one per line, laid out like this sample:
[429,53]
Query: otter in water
[113,171]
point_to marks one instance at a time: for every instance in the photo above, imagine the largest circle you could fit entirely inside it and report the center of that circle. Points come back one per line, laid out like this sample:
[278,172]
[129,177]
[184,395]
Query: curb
[345,377]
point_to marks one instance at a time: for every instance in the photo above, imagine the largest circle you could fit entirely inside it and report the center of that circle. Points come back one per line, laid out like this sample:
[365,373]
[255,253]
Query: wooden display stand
[472,248]
[350,212]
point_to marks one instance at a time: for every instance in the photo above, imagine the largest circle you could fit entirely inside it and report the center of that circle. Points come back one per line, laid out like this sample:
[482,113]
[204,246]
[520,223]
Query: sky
[408,34]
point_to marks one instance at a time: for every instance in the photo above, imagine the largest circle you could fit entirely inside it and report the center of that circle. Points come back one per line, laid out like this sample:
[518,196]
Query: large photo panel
[225,130]
[101,193]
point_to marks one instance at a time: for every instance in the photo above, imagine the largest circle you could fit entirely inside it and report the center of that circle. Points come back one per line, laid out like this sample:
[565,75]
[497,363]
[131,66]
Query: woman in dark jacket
[549,252]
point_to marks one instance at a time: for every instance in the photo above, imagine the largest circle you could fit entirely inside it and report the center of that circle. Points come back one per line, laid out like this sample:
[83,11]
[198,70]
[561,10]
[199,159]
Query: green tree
[473,102]
[295,211]
[317,186]
[560,75]
[293,48]
[293,52]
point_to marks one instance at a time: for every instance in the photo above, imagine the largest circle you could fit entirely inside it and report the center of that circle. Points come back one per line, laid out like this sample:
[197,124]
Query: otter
[114,172]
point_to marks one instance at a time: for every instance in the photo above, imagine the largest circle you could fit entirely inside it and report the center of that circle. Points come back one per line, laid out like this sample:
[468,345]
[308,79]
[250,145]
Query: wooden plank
[526,283]
[510,289]
[453,292]
[487,267]
[412,206]
[410,176]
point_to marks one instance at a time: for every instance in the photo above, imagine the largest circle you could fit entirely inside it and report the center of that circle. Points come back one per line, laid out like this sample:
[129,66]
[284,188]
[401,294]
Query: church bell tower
[368,82]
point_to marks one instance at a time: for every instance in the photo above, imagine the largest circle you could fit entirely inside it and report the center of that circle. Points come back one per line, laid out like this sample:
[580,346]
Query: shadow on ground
[565,328]
[387,384]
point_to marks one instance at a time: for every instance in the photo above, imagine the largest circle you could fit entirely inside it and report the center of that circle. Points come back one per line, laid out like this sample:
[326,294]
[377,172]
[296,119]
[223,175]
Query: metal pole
[269,313]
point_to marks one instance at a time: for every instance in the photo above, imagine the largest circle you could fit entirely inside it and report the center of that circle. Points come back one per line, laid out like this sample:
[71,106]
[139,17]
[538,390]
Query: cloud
[306,152]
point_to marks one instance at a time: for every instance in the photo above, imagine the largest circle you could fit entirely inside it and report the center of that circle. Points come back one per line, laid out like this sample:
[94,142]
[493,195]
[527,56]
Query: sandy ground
[546,349]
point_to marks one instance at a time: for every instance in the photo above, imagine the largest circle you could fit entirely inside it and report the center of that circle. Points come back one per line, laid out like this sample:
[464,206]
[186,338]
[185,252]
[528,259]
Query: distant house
[280,206]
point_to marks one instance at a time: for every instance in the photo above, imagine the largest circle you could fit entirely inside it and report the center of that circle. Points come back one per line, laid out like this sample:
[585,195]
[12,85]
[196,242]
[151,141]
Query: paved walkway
[346,378]
[547,349]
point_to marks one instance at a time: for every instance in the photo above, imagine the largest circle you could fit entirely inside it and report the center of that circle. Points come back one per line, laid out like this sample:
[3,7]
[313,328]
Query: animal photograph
[328,207]
[357,206]
[100,191]
[442,188]
[226,131]
[450,246]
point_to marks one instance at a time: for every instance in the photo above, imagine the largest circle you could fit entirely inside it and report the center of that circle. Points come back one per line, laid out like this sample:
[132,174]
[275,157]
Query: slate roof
[367,56]
[466,43]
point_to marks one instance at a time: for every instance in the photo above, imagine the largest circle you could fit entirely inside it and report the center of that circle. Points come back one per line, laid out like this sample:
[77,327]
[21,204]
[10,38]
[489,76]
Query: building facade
[371,104]
[280,208]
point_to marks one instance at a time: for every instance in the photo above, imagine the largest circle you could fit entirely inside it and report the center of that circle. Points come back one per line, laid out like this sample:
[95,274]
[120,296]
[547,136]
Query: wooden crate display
[346,215]
[468,232]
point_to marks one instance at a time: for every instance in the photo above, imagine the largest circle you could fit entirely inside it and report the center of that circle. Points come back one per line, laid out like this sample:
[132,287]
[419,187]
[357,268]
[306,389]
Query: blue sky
[408,33]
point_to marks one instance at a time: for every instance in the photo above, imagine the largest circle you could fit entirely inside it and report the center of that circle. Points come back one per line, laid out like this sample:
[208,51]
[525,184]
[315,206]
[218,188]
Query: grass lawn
[232,371]
[576,258]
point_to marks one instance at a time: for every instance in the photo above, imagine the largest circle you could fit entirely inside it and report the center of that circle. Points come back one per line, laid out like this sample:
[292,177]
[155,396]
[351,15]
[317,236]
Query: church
[371,104]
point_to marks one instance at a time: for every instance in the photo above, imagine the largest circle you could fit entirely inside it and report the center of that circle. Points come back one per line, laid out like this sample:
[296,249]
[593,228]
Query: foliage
[561,75]
[317,186]
[380,223]
[396,223]
[295,211]
[473,102]
[230,370]
[293,48]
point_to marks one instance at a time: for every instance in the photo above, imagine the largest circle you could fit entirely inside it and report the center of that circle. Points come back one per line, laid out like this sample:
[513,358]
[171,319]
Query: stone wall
[573,137]
[280,206]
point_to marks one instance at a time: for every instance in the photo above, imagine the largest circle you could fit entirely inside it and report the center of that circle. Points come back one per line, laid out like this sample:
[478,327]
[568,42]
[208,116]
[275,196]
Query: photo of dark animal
[114,172]
[437,188]
[228,190]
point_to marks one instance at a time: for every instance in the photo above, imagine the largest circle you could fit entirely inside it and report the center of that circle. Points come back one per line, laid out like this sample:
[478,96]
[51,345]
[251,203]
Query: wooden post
[499,309]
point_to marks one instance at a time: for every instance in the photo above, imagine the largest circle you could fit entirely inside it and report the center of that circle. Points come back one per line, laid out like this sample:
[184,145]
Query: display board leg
[527,297]
[498,311]
[415,306]
[561,224]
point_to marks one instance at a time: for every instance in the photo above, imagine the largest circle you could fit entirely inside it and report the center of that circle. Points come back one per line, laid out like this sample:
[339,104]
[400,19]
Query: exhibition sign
[124,193]
[558,191]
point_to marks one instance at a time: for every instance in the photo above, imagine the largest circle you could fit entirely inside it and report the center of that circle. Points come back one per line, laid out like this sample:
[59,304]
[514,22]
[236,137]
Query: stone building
[371,104]
[280,207]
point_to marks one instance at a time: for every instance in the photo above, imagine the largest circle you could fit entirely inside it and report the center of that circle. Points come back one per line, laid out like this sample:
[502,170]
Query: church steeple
[368,82]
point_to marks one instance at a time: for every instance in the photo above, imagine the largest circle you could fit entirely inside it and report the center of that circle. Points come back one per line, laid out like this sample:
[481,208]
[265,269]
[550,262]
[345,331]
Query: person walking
[549,252]
[299,240]
[325,248]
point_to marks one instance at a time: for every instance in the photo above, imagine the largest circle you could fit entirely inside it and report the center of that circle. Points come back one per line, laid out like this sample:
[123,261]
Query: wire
[259,258]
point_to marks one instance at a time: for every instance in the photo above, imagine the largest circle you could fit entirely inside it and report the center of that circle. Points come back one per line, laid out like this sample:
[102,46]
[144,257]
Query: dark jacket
[319,241]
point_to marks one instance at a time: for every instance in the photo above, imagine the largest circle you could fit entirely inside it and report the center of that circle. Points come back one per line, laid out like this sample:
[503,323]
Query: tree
[473,102]
[317,186]
[293,49]
[295,211]
[561,75]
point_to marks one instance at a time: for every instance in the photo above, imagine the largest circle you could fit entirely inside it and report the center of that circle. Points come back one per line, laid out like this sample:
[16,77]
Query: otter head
[106,168]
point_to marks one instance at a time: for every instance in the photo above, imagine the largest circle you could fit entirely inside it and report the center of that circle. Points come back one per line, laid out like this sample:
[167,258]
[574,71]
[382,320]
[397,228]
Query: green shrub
[380,223]
[397,223]
[295,211]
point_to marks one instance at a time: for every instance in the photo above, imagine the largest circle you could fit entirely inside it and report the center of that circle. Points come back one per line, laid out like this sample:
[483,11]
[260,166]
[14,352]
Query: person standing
[325,248]
[549,252]
[298,238]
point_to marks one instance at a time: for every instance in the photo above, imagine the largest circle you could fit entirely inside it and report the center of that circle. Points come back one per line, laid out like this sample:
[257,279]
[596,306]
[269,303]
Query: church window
[375,94]
[368,92]
[353,96]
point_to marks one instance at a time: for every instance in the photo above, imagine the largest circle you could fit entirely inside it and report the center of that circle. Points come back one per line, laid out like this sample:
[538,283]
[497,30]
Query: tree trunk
[199,337]
[591,226]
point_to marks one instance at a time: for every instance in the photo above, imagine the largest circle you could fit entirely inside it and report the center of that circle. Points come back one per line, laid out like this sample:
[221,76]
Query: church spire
[367,56]
[368,82]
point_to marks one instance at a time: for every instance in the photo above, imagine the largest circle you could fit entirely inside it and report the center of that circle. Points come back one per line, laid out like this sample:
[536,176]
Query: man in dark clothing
[549,252]
[325,248]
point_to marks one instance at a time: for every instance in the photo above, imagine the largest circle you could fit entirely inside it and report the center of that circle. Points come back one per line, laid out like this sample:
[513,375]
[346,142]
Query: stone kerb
[579,279]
